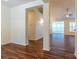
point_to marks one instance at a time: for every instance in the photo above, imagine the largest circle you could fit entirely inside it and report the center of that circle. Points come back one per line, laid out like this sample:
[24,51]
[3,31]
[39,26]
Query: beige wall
[58,8]
[31,25]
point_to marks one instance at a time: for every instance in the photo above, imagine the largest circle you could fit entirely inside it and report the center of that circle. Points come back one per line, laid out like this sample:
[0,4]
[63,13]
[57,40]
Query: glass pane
[72,26]
[58,27]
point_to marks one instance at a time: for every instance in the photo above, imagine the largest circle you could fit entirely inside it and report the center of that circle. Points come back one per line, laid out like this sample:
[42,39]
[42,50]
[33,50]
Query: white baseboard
[46,49]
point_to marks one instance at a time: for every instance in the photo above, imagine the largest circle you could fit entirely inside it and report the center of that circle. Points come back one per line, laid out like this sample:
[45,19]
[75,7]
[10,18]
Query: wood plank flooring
[14,51]
[33,51]
[63,42]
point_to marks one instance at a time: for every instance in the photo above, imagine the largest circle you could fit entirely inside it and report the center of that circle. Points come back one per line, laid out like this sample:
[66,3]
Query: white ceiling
[13,3]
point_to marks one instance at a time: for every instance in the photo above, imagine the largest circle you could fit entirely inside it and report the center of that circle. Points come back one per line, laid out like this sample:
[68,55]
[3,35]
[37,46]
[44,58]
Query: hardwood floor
[33,51]
[63,42]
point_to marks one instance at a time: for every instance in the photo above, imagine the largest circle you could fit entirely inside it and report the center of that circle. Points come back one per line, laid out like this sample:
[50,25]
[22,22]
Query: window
[58,27]
[72,26]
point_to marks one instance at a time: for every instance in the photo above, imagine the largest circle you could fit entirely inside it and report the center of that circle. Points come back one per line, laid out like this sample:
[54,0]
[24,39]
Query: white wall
[18,22]
[46,40]
[39,26]
[14,28]
[5,25]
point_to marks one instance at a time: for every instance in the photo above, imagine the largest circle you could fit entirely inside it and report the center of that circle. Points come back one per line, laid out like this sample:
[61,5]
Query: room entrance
[34,29]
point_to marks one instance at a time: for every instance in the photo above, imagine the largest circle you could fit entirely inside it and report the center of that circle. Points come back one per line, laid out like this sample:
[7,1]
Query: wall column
[46,37]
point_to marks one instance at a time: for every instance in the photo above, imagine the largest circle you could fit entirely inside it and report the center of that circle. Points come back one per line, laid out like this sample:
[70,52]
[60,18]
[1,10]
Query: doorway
[34,20]
[34,23]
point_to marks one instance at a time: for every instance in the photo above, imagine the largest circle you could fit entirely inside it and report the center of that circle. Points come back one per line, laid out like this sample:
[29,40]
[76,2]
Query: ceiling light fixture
[69,14]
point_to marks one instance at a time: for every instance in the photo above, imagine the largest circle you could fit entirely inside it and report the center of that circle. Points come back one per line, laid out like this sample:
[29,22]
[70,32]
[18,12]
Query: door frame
[26,19]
